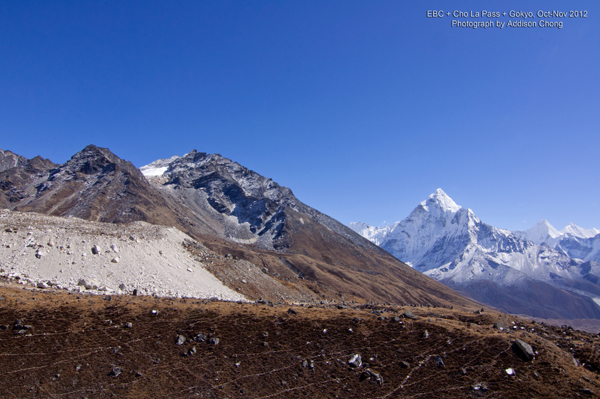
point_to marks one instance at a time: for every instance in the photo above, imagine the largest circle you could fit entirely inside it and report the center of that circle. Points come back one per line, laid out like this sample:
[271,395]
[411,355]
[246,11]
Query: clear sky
[362,108]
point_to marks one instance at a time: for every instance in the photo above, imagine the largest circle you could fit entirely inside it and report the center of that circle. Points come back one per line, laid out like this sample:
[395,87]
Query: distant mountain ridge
[544,232]
[496,266]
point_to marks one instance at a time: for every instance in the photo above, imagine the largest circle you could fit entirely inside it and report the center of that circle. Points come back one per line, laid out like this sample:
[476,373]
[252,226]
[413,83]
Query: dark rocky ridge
[9,159]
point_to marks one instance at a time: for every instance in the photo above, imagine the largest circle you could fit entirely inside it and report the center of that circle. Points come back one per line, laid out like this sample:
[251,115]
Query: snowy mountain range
[544,232]
[540,272]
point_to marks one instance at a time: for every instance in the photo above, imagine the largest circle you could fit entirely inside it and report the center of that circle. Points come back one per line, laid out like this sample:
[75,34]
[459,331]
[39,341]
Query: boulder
[371,375]
[409,315]
[355,360]
[523,349]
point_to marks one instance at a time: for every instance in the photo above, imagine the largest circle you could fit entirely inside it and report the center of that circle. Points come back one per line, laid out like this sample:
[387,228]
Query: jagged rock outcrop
[9,159]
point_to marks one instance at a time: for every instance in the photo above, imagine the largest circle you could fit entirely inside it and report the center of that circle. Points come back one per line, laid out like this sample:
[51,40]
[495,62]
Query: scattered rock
[524,349]
[180,339]
[499,326]
[213,341]
[95,250]
[425,334]
[292,311]
[370,374]
[355,360]
[201,337]
[114,248]
[115,372]
[439,361]
[192,351]
[409,315]
[404,364]
[510,371]
[116,259]
[39,254]
[480,386]
[128,325]
[18,325]
[41,285]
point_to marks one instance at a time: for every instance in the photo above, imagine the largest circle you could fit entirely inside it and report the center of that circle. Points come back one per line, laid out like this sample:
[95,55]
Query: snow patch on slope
[158,167]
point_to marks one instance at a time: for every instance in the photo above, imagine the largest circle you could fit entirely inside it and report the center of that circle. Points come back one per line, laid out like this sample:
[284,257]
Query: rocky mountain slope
[235,213]
[494,266]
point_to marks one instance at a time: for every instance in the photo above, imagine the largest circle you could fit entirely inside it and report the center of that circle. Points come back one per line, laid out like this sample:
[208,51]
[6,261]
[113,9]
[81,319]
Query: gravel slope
[77,255]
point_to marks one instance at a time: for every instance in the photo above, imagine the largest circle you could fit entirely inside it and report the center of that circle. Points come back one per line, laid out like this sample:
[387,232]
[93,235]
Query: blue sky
[362,108]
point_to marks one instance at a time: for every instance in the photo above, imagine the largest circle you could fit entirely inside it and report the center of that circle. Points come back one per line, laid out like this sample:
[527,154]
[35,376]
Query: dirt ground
[55,344]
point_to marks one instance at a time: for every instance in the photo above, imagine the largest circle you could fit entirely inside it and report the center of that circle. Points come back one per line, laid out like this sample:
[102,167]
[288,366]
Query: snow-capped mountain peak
[542,232]
[506,269]
[578,231]
[440,200]
[372,233]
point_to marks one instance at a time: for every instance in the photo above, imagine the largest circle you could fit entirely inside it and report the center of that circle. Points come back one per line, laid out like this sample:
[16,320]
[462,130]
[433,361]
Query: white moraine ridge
[79,255]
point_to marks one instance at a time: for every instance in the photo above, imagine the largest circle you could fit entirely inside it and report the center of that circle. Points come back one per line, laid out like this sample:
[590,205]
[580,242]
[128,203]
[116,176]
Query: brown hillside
[72,346]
